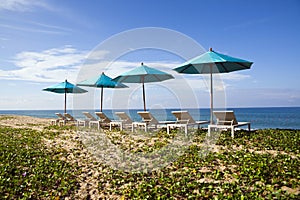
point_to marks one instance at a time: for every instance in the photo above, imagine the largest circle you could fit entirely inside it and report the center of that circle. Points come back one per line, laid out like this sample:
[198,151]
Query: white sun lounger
[88,118]
[149,121]
[103,120]
[226,120]
[124,121]
[64,119]
[183,120]
[69,118]
[59,118]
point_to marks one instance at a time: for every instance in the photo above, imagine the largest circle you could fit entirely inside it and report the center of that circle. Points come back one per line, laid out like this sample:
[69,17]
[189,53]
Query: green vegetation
[262,164]
[30,170]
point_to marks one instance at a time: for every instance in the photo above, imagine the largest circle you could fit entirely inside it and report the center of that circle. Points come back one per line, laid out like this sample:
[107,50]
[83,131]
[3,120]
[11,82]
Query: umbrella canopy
[64,88]
[143,74]
[101,81]
[212,62]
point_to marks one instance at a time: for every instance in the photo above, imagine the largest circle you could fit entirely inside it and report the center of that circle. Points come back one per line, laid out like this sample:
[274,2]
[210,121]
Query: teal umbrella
[101,81]
[143,74]
[212,62]
[64,88]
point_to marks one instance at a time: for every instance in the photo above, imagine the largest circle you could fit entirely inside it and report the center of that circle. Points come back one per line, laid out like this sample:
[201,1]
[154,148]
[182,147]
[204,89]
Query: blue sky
[43,42]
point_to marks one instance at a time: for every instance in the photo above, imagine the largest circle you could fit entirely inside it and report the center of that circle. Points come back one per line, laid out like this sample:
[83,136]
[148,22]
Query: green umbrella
[64,88]
[143,74]
[101,81]
[212,62]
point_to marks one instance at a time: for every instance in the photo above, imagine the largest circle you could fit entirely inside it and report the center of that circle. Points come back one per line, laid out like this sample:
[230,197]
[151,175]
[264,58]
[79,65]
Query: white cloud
[49,26]
[97,55]
[56,64]
[39,29]
[22,5]
[51,65]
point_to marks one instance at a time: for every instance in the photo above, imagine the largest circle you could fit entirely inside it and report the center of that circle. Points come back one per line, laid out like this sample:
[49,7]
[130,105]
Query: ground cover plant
[261,164]
[29,170]
[247,167]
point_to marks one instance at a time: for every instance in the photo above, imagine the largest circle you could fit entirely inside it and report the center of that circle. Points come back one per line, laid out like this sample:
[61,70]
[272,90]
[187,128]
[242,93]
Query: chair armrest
[182,121]
[223,122]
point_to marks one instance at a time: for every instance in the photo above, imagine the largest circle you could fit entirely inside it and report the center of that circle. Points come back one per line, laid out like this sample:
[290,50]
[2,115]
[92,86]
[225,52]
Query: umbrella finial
[142,63]
[210,49]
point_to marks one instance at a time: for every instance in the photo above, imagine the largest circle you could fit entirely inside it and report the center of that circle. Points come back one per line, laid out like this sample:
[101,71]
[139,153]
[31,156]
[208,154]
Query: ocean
[260,118]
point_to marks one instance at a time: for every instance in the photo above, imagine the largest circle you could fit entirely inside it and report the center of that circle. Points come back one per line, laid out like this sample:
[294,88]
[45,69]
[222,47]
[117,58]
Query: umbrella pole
[144,97]
[211,96]
[65,101]
[101,99]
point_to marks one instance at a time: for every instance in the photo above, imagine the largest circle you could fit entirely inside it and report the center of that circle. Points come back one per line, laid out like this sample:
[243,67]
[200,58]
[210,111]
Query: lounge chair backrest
[89,116]
[103,117]
[69,117]
[225,117]
[183,117]
[147,117]
[60,116]
[124,117]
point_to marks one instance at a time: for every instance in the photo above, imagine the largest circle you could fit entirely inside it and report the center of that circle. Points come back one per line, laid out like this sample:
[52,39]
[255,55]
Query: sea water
[260,118]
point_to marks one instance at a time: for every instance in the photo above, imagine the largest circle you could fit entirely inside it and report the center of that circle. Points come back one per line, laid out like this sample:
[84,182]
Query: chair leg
[62,123]
[232,132]
[78,123]
[168,129]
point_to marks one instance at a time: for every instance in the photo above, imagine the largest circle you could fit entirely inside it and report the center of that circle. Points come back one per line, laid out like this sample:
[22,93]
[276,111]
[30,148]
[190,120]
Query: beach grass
[53,163]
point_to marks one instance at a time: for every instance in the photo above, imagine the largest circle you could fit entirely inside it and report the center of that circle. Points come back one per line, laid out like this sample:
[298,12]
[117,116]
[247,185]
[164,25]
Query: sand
[17,121]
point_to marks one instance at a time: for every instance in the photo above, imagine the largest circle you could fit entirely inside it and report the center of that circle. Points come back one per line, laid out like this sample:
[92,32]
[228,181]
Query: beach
[260,117]
[18,121]
[254,164]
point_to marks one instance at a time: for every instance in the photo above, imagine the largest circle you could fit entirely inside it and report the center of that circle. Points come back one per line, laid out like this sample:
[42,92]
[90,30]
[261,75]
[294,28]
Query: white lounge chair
[64,119]
[88,118]
[69,118]
[149,121]
[183,120]
[124,121]
[103,120]
[59,118]
[226,120]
